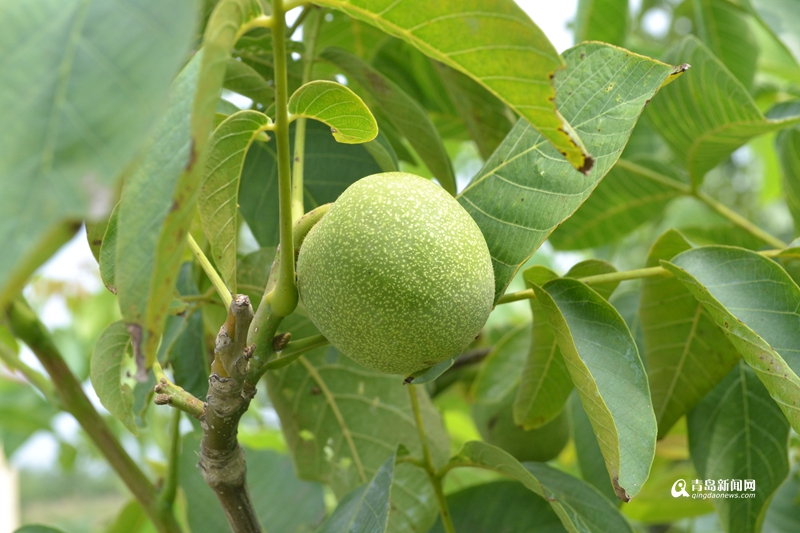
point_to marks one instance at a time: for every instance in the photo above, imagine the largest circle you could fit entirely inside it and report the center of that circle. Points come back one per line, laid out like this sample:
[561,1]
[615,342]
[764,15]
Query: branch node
[280,341]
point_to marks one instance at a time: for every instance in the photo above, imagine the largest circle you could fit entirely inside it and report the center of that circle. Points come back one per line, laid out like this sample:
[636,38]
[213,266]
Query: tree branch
[27,327]
[168,393]
[222,460]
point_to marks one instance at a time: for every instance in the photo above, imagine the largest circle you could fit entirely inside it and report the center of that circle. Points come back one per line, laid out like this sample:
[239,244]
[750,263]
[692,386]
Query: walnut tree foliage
[666,161]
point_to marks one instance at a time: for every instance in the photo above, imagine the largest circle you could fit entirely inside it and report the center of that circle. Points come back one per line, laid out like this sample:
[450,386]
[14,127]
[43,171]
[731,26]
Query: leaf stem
[284,298]
[714,204]
[624,275]
[434,477]
[739,220]
[44,385]
[26,326]
[299,21]
[210,271]
[298,207]
[170,488]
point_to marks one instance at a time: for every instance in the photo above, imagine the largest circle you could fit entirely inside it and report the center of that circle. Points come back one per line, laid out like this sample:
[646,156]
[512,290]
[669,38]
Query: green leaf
[787,145]
[724,28]
[707,116]
[783,514]
[252,271]
[183,344]
[631,194]
[602,20]
[603,361]
[487,119]
[756,304]
[330,167]
[579,507]
[686,353]
[783,19]
[404,112]
[502,39]
[524,191]
[94,236]
[737,432]
[131,519]
[546,384]
[499,373]
[245,80]
[106,374]
[94,78]
[342,421]
[366,508]
[108,252]
[495,423]
[587,449]
[23,412]
[158,202]
[500,507]
[219,193]
[274,490]
[145,215]
[332,103]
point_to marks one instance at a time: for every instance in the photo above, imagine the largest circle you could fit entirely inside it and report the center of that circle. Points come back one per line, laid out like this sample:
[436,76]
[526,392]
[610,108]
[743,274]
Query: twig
[27,327]
[170,488]
[168,393]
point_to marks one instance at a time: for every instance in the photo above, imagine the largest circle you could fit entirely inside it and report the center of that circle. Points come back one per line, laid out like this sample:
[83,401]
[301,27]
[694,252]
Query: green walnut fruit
[397,275]
[495,423]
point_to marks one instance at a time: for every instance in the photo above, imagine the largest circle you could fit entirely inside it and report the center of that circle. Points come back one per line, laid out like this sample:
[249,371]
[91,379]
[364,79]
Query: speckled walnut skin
[397,275]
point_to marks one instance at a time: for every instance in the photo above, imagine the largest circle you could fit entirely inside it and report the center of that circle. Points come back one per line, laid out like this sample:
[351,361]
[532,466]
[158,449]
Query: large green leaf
[330,167]
[158,202]
[525,189]
[710,114]
[738,433]
[756,303]
[487,119]
[143,212]
[587,449]
[350,120]
[500,507]
[23,412]
[783,514]
[283,503]
[603,361]
[404,112]
[602,20]
[106,373]
[342,421]
[686,353]
[499,373]
[245,80]
[783,18]
[218,201]
[108,252]
[631,194]
[546,384]
[364,509]
[81,86]
[486,41]
[787,145]
[579,507]
[725,30]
